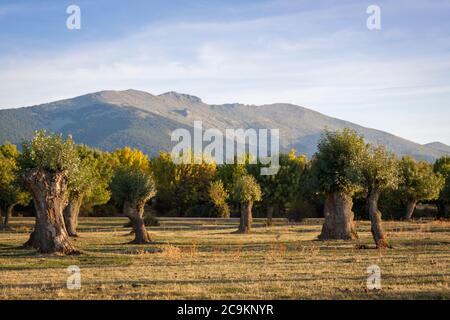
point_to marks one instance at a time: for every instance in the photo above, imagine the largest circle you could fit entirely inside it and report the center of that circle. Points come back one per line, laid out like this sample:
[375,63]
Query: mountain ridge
[111,119]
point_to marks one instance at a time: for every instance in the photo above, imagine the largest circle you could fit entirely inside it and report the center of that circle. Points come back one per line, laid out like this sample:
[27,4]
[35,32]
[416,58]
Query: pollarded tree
[337,173]
[418,182]
[380,172]
[48,163]
[219,197]
[89,186]
[246,191]
[442,167]
[132,186]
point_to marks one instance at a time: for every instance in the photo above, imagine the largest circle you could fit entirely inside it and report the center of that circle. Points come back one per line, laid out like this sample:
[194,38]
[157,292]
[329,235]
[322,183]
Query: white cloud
[258,61]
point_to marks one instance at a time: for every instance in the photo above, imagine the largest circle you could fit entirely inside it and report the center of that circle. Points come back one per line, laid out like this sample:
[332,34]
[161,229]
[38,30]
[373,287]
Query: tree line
[60,177]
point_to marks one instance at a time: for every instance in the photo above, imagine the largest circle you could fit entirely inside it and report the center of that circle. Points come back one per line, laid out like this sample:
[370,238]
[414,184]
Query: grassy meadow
[204,259]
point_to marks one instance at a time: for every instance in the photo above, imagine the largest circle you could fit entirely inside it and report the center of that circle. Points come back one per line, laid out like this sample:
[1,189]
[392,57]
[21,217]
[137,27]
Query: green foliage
[94,176]
[183,186]
[418,181]
[50,152]
[285,186]
[219,197]
[442,167]
[337,165]
[12,191]
[228,173]
[132,185]
[132,179]
[380,169]
[247,189]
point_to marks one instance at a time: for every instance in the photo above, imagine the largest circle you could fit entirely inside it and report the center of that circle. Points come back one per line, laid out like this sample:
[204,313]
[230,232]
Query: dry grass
[203,259]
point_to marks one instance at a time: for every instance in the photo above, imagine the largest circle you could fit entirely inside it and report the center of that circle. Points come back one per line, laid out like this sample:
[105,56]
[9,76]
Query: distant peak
[436,143]
[181,97]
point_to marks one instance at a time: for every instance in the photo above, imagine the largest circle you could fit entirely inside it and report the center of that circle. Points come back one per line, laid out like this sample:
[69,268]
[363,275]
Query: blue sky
[318,54]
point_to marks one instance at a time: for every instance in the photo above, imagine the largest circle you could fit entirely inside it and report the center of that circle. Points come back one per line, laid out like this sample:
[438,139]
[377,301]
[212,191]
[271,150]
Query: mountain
[439,146]
[113,119]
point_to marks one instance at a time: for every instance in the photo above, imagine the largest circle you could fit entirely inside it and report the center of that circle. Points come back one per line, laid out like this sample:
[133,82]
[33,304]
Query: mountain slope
[113,119]
[438,146]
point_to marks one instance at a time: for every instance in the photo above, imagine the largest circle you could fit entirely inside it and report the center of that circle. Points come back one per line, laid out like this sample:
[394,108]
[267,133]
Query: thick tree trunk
[338,214]
[375,220]
[410,207]
[48,190]
[245,225]
[135,212]
[1,219]
[9,212]
[71,212]
[270,209]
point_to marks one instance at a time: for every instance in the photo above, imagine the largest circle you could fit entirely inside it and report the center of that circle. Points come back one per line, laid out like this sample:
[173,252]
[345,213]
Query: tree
[246,191]
[380,172]
[280,189]
[131,188]
[442,167]
[48,163]
[89,186]
[182,187]
[418,182]
[219,198]
[337,170]
[12,191]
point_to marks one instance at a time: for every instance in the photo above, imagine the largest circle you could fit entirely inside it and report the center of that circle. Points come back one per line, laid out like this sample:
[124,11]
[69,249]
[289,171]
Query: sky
[317,54]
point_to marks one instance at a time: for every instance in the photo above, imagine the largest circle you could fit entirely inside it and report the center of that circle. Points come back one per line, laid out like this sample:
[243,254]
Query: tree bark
[135,212]
[1,219]
[410,207]
[375,220]
[48,190]
[246,220]
[71,213]
[9,212]
[338,214]
[270,209]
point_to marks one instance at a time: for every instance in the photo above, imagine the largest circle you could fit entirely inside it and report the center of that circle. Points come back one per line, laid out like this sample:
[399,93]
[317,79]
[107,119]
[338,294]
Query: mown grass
[203,259]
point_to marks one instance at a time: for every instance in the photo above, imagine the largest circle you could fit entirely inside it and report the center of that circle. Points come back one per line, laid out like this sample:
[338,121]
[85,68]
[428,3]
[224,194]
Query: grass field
[203,259]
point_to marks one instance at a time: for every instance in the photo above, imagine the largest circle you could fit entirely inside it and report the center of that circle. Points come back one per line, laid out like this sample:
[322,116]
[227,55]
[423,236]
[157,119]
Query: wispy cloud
[310,57]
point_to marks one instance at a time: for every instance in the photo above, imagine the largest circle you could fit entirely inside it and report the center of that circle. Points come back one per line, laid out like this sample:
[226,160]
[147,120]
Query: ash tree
[337,174]
[246,191]
[418,183]
[442,167]
[48,163]
[89,186]
[12,191]
[380,173]
[132,186]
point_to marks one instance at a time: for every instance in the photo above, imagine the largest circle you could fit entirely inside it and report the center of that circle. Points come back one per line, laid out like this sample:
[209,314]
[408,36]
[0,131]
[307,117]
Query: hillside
[113,119]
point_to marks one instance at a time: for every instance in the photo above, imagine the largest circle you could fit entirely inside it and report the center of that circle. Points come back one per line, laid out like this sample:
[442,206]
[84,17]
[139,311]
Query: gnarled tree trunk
[410,207]
[375,220]
[48,190]
[270,209]
[9,212]
[135,212]
[71,212]
[1,219]
[338,214]
[246,220]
